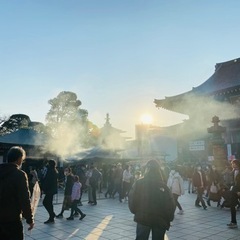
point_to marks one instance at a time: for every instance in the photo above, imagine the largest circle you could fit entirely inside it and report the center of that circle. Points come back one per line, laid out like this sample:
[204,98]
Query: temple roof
[24,137]
[225,79]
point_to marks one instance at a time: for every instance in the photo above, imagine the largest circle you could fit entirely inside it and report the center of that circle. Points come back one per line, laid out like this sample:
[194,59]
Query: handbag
[213,189]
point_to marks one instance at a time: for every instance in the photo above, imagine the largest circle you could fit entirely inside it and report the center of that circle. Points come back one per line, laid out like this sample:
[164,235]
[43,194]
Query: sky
[116,55]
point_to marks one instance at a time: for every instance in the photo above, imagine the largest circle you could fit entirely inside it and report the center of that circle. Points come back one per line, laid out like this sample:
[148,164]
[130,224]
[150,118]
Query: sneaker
[205,207]
[49,221]
[180,212]
[76,214]
[70,218]
[59,215]
[82,217]
[232,225]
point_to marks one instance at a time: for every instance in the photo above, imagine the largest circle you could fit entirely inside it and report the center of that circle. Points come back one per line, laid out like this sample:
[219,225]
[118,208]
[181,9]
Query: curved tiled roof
[24,137]
[225,79]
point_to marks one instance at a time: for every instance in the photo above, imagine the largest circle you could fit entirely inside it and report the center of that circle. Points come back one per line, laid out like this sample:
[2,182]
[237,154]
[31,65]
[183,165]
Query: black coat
[197,179]
[50,181]
[14,194]
[152,203]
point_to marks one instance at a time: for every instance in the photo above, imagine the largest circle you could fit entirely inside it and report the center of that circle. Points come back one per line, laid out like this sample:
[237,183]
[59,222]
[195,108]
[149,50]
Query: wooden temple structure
[215,101]
[30,140]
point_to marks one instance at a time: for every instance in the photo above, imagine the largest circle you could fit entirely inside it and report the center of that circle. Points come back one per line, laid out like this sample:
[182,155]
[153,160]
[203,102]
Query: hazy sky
[116,55]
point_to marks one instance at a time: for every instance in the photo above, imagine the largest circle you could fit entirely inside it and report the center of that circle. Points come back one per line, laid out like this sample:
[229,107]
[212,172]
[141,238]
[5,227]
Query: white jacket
[175,183]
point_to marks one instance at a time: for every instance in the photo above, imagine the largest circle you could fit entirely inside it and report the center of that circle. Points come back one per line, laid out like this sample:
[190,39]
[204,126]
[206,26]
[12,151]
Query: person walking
[69,181]
[152,203]
[50,188]
[14,196]
[76,193]
[235,193]
[118,174]
[199,182]
[175,184]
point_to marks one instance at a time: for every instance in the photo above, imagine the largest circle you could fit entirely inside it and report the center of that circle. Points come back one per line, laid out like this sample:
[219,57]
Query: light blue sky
[116,55]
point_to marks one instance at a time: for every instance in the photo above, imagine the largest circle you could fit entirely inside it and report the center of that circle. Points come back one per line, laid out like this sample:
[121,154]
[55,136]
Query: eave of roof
[24,137]
[226,79]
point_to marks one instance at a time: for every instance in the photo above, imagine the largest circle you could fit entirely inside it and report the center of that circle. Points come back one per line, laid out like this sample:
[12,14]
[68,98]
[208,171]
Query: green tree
[15,122]
[69,124]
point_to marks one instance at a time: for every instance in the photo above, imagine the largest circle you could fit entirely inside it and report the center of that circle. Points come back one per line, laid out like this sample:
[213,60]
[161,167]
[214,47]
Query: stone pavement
[110,220]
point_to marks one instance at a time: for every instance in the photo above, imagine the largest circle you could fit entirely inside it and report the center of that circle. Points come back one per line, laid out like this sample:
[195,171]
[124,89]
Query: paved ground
[111,220]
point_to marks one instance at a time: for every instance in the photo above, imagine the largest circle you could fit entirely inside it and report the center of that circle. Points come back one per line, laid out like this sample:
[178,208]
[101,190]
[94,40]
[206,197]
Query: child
[75,196]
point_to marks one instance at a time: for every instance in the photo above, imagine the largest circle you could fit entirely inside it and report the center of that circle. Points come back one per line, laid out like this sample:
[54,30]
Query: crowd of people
[152,191]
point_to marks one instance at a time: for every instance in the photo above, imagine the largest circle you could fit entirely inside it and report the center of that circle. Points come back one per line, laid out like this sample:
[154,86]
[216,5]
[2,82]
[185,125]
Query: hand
[238,193]
[31,225]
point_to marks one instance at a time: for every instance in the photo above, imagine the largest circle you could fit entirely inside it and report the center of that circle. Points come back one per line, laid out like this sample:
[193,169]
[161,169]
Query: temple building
[215,102]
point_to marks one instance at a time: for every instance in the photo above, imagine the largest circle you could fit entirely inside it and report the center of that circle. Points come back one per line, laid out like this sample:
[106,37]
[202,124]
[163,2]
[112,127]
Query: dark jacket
[96,176]
[197,179]
[50,181]
[14,194]
[152,203]
[69,185]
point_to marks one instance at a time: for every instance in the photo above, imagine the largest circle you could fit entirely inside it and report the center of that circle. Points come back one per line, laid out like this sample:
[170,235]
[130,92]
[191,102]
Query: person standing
[175,184]
[152,203]
[199,182]
[118,174]
[214,180]
[67,191]
[50,188]
[89,188]
[76,193]
[235,193]
[93,181]
[14,196]
[126,182]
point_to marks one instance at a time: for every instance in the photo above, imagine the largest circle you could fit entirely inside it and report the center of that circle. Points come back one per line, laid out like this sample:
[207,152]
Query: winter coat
[14,194]
[69,185]
[50,182]
[197,179]
[175,183]
[152,203]
[76,191]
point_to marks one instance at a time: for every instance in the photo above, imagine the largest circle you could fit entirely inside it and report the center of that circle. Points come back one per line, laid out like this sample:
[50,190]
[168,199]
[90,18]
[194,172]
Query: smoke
[67,141]
[201,110]
[73,141]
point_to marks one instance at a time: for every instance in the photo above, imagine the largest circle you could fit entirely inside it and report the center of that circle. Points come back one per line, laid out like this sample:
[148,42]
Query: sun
[146,119]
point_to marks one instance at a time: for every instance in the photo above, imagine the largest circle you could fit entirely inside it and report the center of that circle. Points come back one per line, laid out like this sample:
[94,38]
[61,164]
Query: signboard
[197,145]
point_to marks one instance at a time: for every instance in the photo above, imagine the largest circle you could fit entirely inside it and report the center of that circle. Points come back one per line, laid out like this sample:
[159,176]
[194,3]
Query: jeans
[143,232]
[11,231]
[199,199]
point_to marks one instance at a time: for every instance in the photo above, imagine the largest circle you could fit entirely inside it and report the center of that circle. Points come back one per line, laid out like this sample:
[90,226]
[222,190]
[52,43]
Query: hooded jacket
[152,203]
[14,194]
[175,183]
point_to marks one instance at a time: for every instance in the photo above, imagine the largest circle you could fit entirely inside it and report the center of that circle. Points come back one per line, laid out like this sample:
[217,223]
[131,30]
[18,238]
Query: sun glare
[146,119]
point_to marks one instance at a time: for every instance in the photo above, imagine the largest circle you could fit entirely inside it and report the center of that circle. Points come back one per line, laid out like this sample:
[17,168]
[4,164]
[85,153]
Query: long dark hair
[154,171]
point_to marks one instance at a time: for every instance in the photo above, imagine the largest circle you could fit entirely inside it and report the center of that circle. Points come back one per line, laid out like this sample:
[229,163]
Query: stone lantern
[217,143]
